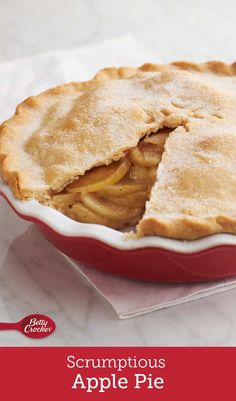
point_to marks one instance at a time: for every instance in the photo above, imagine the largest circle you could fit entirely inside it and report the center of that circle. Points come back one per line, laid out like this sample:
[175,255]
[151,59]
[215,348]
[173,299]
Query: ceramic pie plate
[148,258]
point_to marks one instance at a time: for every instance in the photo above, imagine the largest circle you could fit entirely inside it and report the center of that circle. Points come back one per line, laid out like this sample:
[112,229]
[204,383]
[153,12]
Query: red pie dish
[147,258]
[152,147]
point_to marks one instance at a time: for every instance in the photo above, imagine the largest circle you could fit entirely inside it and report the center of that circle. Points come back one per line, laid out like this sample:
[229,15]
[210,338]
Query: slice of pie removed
[153,146]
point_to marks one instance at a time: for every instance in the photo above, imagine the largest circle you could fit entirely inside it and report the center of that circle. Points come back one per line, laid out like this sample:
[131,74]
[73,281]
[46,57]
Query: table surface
[33,276]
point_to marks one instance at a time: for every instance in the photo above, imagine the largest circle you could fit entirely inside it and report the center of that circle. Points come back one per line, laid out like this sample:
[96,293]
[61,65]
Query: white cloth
[130,298]
[24,77]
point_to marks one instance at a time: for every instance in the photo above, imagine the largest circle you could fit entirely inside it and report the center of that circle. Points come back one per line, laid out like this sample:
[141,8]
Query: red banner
[82,373]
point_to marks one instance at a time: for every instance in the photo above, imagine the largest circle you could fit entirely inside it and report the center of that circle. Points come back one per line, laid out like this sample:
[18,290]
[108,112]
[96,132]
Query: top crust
[63,132]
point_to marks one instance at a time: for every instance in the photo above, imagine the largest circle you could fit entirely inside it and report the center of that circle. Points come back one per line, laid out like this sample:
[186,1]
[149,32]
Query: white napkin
[24,77]
[129,298]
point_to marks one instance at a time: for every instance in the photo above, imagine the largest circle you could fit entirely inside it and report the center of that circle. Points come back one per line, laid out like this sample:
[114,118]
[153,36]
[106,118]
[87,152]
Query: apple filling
[115,195]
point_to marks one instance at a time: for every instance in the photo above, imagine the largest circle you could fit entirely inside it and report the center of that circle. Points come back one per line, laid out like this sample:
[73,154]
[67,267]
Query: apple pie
[153,146]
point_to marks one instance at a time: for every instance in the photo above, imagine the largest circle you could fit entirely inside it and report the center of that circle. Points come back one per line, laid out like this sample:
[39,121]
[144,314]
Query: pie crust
[61,134]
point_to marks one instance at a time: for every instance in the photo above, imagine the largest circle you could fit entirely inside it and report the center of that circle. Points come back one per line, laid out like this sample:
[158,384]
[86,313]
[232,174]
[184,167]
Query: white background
[33,278]
[176,29]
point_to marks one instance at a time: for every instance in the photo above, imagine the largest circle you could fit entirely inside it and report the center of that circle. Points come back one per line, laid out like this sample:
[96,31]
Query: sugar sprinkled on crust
[59,135]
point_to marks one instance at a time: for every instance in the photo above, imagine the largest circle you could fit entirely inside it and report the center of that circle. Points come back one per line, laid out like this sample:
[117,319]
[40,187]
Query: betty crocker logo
[33,326]
[38,326]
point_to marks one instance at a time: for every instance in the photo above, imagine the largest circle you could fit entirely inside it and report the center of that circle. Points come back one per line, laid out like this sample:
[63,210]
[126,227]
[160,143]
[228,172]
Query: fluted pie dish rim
[36,212]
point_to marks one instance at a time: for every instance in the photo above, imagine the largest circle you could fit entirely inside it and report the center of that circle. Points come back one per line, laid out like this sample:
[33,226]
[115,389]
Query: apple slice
[158,139]
[64,199]
[99,177]
[139,173]
[81,213]
[107,209]
[136,199]
[145,156]
[124,187]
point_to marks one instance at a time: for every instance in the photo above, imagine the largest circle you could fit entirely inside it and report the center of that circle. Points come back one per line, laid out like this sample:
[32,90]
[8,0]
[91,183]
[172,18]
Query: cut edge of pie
[35,165]
[115,195]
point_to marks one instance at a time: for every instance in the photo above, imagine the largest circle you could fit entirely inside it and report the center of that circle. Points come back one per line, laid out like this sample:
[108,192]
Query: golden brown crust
[10,129]
[37,160]
[187,228]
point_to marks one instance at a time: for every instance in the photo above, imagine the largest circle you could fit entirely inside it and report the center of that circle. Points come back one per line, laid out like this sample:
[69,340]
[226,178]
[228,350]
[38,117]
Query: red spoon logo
[33,326]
